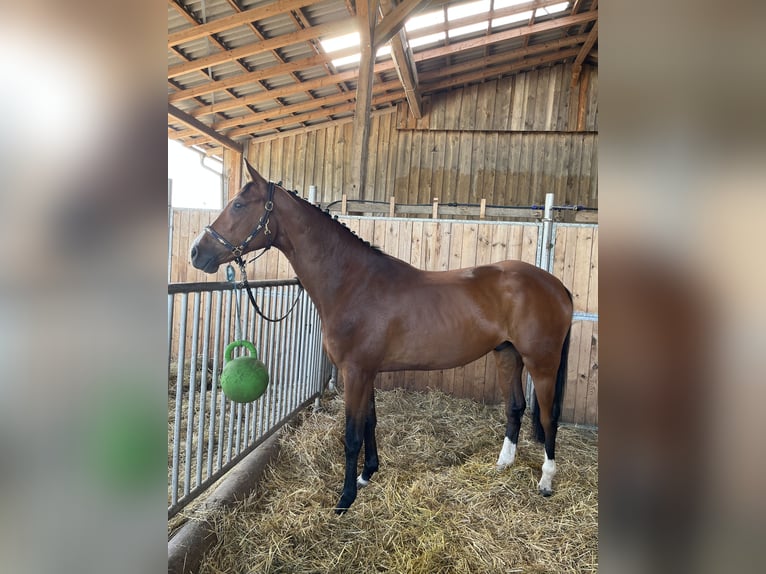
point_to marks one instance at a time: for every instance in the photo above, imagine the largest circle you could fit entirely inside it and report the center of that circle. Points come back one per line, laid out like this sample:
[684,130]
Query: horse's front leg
[370,446]
[358,392]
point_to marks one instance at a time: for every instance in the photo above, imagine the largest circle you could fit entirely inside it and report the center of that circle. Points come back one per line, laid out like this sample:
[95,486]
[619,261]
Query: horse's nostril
[194,252]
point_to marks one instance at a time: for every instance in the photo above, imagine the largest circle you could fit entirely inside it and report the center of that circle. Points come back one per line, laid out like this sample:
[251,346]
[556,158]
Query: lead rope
[239,324]
[246,285]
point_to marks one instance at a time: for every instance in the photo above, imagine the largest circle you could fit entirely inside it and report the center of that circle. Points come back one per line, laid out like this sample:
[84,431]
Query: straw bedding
[437,504]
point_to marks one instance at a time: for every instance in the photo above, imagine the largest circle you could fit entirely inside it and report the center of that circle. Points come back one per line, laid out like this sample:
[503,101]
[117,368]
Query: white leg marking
[507,454]
[360,482]
[549,470]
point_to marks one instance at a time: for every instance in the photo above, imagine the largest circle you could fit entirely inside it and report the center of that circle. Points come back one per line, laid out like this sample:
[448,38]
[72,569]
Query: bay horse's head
[244,225]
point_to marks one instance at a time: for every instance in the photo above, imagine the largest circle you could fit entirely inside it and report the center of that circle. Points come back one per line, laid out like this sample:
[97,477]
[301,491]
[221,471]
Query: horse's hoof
[360,482]
[546,492]
[341,511]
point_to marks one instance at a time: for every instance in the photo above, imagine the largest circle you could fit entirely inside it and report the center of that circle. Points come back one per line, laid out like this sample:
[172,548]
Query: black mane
[337,222]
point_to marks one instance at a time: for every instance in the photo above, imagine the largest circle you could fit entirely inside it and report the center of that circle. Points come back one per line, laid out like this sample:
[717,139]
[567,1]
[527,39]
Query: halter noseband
[263,224]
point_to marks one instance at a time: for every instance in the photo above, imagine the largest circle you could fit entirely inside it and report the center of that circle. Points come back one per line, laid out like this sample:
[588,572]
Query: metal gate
[209,434]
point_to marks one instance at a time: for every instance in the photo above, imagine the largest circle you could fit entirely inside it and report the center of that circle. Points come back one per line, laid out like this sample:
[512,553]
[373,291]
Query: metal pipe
[203,384]
[189,442]
[179,401]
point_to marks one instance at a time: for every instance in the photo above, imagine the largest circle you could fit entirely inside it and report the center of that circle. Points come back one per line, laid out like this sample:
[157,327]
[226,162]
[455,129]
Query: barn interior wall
[509,141]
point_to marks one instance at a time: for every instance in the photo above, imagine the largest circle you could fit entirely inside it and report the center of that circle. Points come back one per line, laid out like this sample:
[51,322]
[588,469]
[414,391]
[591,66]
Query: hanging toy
[243,379]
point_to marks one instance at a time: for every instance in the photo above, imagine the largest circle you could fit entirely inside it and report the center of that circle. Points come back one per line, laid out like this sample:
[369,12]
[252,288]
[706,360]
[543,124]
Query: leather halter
[263,225]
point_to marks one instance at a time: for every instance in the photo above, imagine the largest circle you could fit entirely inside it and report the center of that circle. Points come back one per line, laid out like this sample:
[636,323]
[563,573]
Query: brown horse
[381,314]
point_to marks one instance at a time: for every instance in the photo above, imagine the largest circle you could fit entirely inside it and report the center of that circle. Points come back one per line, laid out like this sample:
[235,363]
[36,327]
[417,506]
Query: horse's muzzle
[206,263]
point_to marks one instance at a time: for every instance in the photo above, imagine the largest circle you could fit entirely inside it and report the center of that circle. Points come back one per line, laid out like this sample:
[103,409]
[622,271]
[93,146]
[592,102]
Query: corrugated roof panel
[297,51]
[278,25]
[239,36]
[313,73]
[261,61]
[327,11]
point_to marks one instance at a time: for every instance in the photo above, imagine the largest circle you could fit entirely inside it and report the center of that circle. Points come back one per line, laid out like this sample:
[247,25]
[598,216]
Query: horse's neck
[320,251]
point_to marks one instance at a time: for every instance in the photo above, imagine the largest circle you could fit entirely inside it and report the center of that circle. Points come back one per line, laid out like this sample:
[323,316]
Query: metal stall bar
[283,351]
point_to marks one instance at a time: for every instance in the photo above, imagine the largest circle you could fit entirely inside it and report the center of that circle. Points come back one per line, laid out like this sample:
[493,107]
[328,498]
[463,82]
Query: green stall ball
[243,379]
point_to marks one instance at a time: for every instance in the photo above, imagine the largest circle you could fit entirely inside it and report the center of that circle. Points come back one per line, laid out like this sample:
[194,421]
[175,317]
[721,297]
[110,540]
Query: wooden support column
[232,174]
[366,14]
[400,54]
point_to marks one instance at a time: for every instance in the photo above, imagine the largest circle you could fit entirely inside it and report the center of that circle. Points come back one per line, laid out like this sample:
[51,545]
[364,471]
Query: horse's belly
[429,352]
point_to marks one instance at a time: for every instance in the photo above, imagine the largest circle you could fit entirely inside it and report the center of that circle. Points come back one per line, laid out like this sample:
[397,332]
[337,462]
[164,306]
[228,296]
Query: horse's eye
[237,205]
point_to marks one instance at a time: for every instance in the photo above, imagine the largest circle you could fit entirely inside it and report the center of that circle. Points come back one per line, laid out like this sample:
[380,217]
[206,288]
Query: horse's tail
[558,396]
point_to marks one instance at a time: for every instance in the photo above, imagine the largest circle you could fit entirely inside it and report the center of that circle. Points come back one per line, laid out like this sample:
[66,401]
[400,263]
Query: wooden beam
[204,129]
[497,59]
[366,11]
[405,69]
[281,92]
[392,87]
[321,126]
[228,22]
[519,32]
[313,116]
[586,47]
[495,71]
[270,72]
[394,20]
[247,50]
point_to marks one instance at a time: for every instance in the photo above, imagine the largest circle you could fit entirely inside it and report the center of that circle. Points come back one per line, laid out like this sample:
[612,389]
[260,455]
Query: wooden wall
[509,140]
[442,244]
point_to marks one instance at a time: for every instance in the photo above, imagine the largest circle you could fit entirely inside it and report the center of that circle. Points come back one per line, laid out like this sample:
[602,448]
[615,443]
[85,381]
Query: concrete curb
[193,539]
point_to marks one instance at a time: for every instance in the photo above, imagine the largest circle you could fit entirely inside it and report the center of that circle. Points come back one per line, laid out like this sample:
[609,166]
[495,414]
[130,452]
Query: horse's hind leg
[545,417]
[509,367]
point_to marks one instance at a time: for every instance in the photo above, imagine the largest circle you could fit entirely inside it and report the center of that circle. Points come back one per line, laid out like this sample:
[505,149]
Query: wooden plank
[309,159]
[591,410]
[329,158]
[500,188]
[524,183]
[490,168]
[340,161]
[581,275]
[468,111]
[466,257]
[583,370]
[485,104]
[401,182]
[567,273]
[415,167]
[529,243]
[570,393]
[478,159]
[559,252]
[367,230]
[463,188]
[592,300]
[426,167]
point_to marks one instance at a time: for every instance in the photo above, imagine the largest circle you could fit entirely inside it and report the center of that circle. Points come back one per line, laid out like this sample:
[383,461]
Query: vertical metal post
[179,401]
[312,194]
[170,228]
[544,263]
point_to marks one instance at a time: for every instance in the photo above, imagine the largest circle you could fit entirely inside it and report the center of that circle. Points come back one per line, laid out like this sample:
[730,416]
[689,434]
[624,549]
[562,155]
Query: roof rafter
[405,67]
[228,22]
[259,47]
[193,122]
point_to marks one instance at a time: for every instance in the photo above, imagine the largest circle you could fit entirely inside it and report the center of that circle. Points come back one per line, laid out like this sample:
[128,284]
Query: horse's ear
[254,175]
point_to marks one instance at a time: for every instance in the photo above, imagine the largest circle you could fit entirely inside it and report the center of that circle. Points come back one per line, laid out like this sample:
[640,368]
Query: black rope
[250,296]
